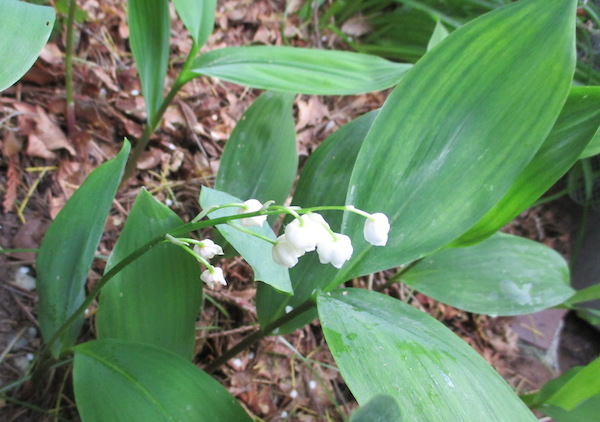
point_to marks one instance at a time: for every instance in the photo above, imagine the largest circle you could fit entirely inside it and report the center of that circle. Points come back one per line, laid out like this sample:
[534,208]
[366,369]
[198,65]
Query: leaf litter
[290,378]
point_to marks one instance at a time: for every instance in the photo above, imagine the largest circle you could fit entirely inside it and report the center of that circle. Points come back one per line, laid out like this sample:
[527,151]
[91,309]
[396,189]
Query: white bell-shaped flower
[335,251]
[307,234]
[214,277]
[376,229]
[208,250]
[252,205]
[284,253]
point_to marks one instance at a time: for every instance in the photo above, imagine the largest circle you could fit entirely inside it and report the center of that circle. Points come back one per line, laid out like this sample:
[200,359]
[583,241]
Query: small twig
[12,343]
[25,310]
[232,332]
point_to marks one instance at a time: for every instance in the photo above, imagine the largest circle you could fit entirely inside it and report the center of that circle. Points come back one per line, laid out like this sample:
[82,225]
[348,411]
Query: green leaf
[581,386]
[381,408]
[439,33]
[384,346]
[255,251]
[156,298]
[593,148]
[265,134]
[299,70]
[503,275]
[585,411]
[198,16]
[68,249]
[572,397]
[585,295]
[25,30]
[149,35]
[575,126]
[458,129]
[332,162]
[453,136]
[117,380]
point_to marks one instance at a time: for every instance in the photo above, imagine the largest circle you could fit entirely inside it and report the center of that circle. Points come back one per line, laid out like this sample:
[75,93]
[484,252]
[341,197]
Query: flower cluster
[307,232]
[310,231]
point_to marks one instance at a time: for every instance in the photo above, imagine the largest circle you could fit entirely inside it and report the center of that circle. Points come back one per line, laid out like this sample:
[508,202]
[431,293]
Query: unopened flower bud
[252,205]
[376,229]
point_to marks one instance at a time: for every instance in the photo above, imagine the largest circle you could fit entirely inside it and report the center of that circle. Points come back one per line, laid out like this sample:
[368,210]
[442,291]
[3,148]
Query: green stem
[398,276]
[259,335]
[26,378]
[153,123]
[70,112]
[252,233]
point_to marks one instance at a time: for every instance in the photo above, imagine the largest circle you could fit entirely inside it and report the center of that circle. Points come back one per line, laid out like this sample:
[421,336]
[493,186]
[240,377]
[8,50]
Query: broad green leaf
[503,275]
[299,70]
[458,129]
[581,386]
[149,35]
[198,16]
[585,295]
[324,181]
[402,35]
[118,380]
[260,159]
[25,29]
[572,397]
[593,148]
[255,251]
[380,408]
[454,135]
[585,411]
[156,298]
[439,33]
[575,126]
[384,346]
[68,249]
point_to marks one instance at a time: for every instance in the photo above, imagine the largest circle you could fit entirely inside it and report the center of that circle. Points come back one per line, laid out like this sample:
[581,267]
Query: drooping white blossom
[306,234]
[208,250]
[376,229]
[336,250]
[284,253]
[252,205]
[214,277]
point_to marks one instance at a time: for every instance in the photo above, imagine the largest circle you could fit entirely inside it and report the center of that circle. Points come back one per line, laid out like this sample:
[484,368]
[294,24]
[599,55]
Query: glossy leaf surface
[332,162]
[149,36]
[117,380]
[593,148]
[198,16]
[260,158]
[255,251]
[455,134]
[503,275]
[25,29]
[384,346]
[575,126]
[156,298]
[68,250]
[299,70]
[458,129]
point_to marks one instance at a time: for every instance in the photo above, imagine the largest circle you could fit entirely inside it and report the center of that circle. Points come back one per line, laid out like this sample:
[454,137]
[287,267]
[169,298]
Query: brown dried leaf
[12,182]
[36,122]
[311,112]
